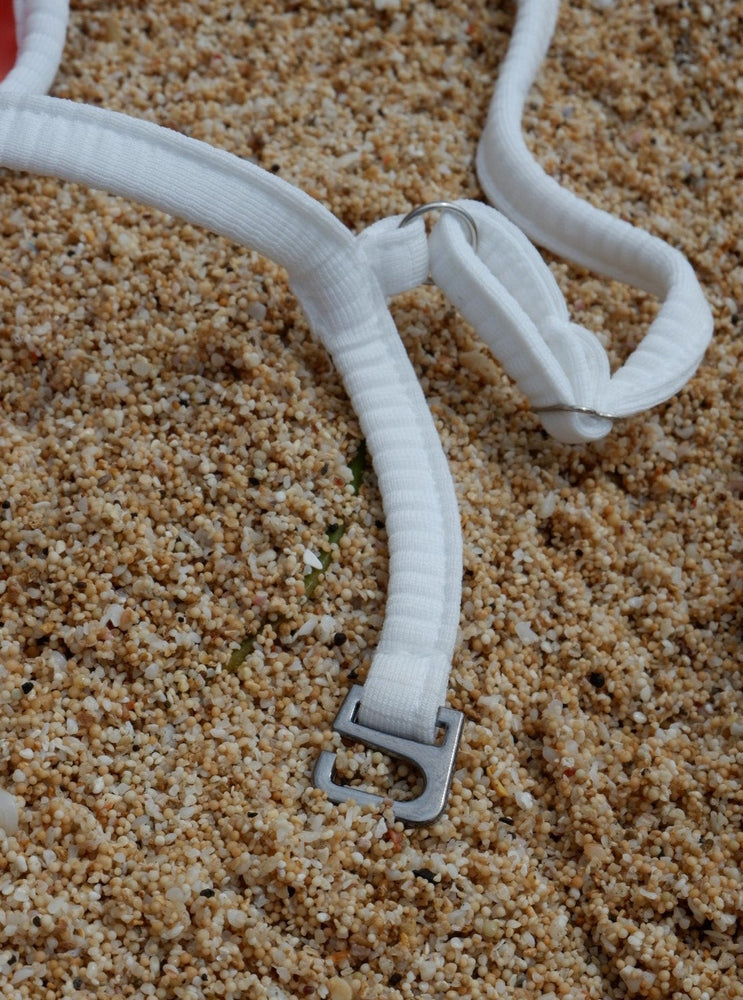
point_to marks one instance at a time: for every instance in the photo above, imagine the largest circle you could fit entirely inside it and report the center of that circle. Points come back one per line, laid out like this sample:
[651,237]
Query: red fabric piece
[7,38]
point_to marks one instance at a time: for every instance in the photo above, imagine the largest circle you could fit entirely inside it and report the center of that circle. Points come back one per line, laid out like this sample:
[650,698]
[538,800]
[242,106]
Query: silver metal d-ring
[568,408]
[435,762]
[445,206]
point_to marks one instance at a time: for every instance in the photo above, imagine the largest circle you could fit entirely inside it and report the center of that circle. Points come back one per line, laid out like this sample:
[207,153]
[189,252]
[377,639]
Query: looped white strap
[557,219]
[41,26]
[398,255]
[509,296]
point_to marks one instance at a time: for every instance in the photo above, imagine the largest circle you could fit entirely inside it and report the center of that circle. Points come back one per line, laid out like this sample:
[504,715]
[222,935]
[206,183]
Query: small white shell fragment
[526,633]
[307,627]
[8,813]
[311,560]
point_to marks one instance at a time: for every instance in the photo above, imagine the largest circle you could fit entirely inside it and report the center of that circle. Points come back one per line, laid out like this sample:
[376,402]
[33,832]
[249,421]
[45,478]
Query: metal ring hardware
[445,206]
[434,761]
[568,408]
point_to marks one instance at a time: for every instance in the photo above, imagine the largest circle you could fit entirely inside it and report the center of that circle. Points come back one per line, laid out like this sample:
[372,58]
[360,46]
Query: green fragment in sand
[240,655]
[357,465]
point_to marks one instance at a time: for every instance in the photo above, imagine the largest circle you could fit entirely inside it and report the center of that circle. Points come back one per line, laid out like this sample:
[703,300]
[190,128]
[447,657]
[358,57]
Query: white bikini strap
[342,298]
[342,282]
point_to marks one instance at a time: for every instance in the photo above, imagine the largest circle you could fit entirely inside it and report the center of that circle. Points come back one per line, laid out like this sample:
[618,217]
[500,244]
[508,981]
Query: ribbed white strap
[407,682]
[557,219]
[340,292]
[40,32]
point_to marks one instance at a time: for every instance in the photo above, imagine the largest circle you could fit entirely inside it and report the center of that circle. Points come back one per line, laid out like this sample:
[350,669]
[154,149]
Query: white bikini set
[483,262]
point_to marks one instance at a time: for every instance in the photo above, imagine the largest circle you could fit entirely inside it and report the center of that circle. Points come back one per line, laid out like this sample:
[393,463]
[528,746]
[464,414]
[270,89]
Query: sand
[174,442]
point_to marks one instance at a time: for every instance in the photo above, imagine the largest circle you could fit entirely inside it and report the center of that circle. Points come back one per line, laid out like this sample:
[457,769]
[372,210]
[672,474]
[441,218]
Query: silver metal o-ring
[446,206]
[568,408]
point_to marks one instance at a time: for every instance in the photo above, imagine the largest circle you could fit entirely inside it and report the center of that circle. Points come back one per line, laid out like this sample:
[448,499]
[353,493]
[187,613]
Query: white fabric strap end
[515,261]
[399,256]
[404,692]
[496,314]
